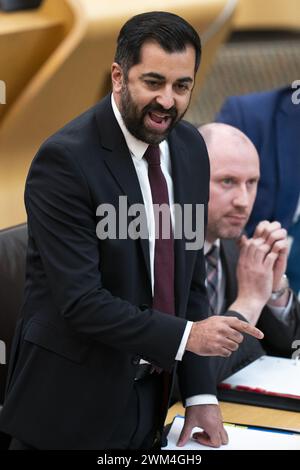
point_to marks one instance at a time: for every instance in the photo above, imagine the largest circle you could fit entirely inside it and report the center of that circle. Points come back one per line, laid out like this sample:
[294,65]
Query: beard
[227,233]
[218,229]
[134,119]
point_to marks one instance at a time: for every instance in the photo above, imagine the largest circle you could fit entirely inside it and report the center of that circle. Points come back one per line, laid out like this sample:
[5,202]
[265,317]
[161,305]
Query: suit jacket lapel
[182,195]
[229,258]
[120,164]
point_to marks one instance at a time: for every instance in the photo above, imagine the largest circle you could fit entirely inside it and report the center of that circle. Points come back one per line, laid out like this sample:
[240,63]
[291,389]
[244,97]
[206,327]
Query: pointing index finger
[251,330]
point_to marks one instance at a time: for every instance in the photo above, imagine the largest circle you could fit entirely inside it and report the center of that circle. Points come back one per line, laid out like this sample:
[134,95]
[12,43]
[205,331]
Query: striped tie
[211,259]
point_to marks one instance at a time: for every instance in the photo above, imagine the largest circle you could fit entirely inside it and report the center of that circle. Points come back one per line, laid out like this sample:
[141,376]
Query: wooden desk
[251,415]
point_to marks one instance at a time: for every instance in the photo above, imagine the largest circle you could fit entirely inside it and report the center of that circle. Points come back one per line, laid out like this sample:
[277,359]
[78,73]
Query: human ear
[117,77]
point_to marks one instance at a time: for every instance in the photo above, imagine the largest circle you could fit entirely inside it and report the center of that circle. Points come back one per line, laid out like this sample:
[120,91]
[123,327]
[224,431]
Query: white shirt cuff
[201,400]
[183,342]
[282,312]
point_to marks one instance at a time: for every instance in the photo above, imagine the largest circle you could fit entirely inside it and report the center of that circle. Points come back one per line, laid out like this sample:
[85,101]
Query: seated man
[237,266]
[271,120]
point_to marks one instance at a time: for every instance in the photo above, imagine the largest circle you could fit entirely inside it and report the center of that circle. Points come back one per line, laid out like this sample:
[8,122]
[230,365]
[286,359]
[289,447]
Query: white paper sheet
[240,438]
[269,375]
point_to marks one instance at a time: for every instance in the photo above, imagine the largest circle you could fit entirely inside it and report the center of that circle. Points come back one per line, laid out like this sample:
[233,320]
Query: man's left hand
[207,417]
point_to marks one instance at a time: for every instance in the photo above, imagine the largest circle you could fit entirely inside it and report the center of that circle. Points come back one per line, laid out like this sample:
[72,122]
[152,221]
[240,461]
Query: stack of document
[240,438]
[269,381]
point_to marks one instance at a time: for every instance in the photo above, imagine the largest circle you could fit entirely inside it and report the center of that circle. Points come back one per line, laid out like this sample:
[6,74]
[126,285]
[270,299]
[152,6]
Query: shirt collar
[136,147]
[208,245]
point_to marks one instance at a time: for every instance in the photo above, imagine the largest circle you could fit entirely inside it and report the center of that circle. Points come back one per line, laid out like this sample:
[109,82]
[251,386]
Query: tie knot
[152,155]
[212,256]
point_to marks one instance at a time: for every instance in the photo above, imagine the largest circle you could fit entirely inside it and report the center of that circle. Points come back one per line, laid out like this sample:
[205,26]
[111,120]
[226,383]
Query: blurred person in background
[271,120]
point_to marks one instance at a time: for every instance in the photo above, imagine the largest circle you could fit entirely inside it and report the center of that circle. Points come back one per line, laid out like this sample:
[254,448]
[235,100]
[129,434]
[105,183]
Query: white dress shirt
[137,149]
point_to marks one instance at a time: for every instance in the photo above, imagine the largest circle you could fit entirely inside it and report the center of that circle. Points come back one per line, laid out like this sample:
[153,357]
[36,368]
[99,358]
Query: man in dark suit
[105,311]
[271,120]
[241,264]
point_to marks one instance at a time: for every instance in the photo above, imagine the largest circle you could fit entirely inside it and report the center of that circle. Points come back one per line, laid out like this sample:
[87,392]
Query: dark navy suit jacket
[87,317]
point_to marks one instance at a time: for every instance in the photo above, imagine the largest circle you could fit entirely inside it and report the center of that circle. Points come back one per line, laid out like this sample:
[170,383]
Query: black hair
[170,31]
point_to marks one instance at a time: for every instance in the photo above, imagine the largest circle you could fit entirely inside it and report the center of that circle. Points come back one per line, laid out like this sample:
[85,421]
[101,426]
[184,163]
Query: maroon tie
[164,298]
[164,295]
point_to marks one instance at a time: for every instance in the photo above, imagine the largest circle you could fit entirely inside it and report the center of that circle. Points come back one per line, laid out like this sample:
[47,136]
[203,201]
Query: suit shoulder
[186,127]
[253,112]
[262,98]
[189,134]
[74,132]
[67,148]
[82,129]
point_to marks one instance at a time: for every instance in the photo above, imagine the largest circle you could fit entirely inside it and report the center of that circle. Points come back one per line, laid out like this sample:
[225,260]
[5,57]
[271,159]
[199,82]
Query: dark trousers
[140,425]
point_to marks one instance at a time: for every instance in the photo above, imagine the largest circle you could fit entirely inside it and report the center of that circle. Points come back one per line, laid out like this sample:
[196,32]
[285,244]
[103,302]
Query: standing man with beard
[106,320]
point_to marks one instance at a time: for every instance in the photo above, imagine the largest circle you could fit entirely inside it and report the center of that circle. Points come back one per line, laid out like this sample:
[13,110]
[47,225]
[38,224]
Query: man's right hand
[219,335]
[254,277]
